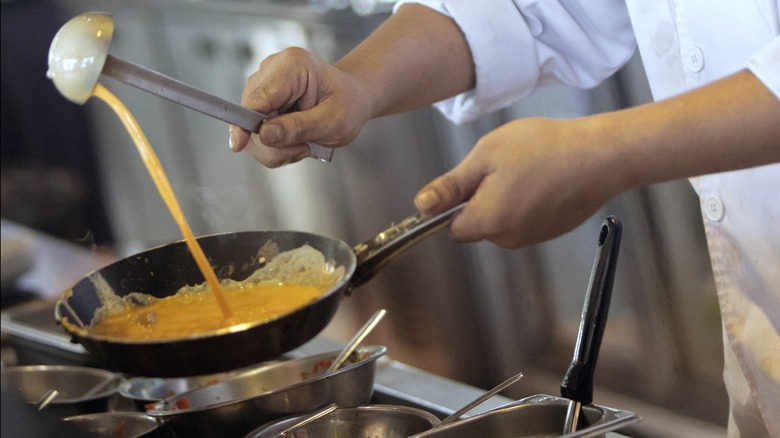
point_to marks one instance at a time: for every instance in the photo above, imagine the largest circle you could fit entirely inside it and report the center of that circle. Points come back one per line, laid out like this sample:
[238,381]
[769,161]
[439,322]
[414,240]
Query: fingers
[275,157]
[450,189]
[238,138]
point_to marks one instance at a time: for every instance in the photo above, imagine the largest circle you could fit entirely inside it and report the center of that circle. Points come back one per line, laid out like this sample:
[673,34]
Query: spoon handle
[357,339]
[479,400]
[46,399]
[186,95]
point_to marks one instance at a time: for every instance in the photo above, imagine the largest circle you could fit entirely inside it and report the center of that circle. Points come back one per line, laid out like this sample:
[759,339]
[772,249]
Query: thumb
[448,190]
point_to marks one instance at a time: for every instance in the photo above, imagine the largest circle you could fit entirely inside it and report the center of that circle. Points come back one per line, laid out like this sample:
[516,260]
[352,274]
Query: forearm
[727,125]
[415,58]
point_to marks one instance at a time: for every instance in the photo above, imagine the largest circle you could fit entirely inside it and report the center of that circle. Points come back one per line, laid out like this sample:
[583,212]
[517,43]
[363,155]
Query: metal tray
[32,331]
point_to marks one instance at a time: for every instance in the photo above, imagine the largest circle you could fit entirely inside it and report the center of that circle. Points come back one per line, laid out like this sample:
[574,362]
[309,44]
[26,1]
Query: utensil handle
[183,94]
[46,399]
[375,254]
[308,420]
[577,384]
[357,339]
[186,95]
[479,400]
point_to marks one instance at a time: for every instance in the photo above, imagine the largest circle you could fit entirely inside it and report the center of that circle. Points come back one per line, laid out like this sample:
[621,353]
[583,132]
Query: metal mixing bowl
[241,403]
[118,425]
[73,382]
[375,421]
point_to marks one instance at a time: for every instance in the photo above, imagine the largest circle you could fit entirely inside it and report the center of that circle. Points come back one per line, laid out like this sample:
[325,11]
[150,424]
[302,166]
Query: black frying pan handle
[577,384]
[374,254]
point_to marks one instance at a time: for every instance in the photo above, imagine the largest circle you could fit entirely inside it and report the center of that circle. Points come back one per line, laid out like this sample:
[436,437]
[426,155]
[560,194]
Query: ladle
[577,384]
[479,400]
[357,339]
[79,55]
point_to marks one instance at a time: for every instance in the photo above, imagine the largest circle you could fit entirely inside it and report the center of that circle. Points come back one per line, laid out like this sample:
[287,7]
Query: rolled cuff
[765,65]
[505,72]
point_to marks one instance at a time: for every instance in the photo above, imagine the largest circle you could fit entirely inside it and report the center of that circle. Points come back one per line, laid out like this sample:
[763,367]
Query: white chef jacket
[521,44]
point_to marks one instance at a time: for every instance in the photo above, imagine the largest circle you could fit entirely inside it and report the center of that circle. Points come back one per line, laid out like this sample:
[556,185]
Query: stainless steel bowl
[145,391]
[73,382]
[118,424]
[375,421]
[536,416]
[249,399]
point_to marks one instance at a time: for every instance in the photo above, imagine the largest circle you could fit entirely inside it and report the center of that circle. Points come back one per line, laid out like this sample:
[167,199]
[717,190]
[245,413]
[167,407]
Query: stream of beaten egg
[166,191]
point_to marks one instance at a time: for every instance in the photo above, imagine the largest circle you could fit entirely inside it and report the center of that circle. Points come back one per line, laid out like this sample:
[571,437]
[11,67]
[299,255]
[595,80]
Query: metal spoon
[308,419]
[479,400]
[79,55]
[46,399]
[52,394]
[357,339]
[101,386]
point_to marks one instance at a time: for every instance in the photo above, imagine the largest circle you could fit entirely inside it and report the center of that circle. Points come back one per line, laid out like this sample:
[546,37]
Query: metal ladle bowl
[78,53]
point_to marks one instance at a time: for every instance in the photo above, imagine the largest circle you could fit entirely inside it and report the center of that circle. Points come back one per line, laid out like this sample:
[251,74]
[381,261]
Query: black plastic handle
[577,384]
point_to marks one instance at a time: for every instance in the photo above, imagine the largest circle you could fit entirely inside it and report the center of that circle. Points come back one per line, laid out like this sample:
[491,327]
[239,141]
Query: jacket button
[694,59]
[714,209]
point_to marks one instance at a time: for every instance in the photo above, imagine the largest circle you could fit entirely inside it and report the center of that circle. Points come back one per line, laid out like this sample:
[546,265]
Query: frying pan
[163,270]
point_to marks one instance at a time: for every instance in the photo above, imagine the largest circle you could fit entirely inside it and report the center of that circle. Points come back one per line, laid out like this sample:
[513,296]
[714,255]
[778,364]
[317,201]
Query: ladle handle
[577,384]
[186,95]
[375,254]
[183,94]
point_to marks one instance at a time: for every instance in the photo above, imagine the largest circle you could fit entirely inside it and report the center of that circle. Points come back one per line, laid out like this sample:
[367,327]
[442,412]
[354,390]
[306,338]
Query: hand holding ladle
[79,55]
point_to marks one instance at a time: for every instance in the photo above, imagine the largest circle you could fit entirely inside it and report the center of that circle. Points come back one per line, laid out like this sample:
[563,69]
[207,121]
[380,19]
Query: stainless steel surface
[102,385]
[116,424]
[375,421]
[31,382]
[307,419]
[147,390]
[481,399]
[572,417]
[240,403]
[357,339]
[535,416]
[395,383]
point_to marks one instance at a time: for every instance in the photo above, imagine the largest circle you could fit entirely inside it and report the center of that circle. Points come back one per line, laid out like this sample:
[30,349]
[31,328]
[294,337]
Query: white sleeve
[766,65]
[521,44]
